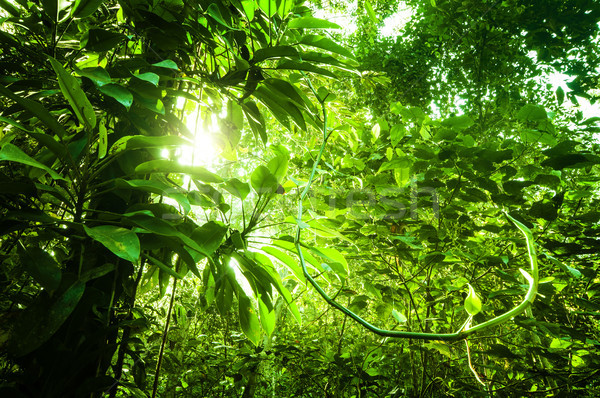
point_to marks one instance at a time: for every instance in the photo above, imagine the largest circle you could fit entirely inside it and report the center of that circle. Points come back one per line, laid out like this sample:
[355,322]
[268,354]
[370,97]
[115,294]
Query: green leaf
[371,12]
[11,153]
[571,160]
[149,77]
[42,319]
[98,75]
[158,188]
[237,188]
[458,122]
[75,96]
[132,142]
[97,272]
[560,95]
[268,6]
[37,109]
[256,120]
[41,266]
[166,166]
[85,8]
[312,23]
[286,259]
[167,63]
[215,13]
[397,132]
[325,44]
[164,267]
[399,316]
[334,259]
[278,166]
[306,66]
[532,113]
[248,318]
[249,8]
[572,271]
[210,236]
[123,242]
[398,163]
[100,40]
[275,52]
[102,140]
[267,318]
[263,181]
[119,93]
[472,302]
[8,7]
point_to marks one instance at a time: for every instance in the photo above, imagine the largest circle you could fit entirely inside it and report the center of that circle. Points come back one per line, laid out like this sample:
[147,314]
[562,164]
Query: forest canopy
[251,198]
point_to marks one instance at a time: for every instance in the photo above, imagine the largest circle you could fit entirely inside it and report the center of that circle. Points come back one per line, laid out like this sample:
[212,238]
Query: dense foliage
[134,262]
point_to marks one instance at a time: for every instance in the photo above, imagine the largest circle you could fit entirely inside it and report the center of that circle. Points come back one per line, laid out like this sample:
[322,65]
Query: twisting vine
[466,329]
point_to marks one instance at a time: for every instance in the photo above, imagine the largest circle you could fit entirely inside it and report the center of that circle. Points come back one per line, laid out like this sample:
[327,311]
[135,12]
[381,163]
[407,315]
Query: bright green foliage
[472,302]
[128,268]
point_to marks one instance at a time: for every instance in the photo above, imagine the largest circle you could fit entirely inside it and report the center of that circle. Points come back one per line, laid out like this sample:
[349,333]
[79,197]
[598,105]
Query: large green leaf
[210,236]
[289,261]
[123,242]
[42,319]
[165,268]
[237,188]
[166,166]
[11,9]
[248,318]
[263,181]
[472,302]
[98,75]
[215,13]
[131,142]
[85,8]
[267,318]
[149,77]
[312,23]
[74,94]
[305,66]
[119,93]
[275,52]
[100,40]
[268,6]
[167,64]
[158,188]
[11,153]
[41,266]
[532,113]
[325,44]
[37,110]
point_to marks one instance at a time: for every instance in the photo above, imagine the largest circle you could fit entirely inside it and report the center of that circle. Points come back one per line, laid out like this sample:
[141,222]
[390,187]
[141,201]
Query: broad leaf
[131,142]
[42,319]
[165,166]
[119,93]
[167,63]
[85,8]
[248,318]
[325,44]
[472,302]
[123,242]
[36,109]
[237,188]
[312,23]
[263,181]
[11,153]
[267,318]
[41,266]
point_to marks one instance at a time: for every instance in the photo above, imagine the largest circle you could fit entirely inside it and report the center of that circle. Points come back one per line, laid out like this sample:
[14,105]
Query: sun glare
[204,150]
